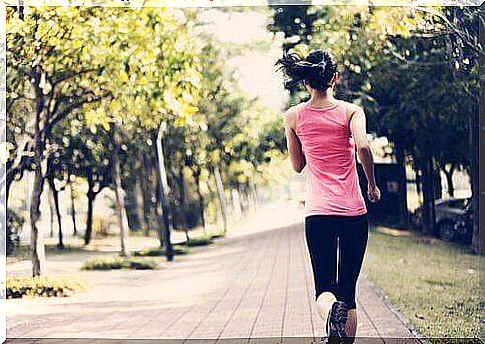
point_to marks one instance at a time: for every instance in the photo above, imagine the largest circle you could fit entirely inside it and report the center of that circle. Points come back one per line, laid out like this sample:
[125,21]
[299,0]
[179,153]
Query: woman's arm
[358,129]
[297,156]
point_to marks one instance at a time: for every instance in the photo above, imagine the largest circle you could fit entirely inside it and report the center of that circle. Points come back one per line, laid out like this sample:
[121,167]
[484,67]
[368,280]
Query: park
[149,193]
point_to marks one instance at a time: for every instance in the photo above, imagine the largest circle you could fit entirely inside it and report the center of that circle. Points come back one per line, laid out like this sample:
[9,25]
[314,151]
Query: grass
[200,241]
[22,252]
[217,236]
[22,286]
[160,252]
[116,263]
[435,285]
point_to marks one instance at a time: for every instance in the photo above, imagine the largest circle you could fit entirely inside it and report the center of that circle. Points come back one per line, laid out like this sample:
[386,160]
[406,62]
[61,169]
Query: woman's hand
[373,193]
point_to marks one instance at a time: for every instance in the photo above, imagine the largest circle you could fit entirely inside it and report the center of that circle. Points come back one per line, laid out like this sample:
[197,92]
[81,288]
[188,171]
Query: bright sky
[255,68]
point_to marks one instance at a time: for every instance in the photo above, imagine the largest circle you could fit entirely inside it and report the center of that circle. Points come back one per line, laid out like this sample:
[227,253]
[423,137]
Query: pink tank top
[332,180]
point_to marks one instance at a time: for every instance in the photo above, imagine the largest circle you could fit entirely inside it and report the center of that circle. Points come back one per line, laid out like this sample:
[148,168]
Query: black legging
[321,233]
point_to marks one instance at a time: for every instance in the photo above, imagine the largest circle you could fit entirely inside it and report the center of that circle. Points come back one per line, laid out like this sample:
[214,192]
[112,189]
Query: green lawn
[435,285]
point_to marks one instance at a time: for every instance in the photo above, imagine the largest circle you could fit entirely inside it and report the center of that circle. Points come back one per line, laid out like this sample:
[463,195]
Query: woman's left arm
[297,157]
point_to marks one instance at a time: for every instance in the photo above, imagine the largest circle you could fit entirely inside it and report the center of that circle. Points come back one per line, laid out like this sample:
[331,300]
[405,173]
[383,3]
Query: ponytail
[317,69]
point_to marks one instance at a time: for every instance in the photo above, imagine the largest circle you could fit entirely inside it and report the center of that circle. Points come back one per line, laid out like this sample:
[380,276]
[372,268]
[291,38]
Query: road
[249,287]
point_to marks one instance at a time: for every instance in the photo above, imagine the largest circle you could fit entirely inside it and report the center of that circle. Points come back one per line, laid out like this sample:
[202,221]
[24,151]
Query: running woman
[323,135]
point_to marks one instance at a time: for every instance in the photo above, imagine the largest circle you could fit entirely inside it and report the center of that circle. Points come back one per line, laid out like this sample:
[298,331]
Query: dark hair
[317,69]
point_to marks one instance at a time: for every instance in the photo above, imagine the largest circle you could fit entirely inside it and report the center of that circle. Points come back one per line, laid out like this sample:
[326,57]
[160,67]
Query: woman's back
[332,180]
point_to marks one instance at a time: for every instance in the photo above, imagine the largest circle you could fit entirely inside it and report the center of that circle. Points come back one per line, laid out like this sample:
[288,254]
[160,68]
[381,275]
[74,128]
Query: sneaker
[336,322]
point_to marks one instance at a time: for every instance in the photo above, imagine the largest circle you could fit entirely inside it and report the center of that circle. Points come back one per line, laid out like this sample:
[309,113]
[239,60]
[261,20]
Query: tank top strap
[343,104]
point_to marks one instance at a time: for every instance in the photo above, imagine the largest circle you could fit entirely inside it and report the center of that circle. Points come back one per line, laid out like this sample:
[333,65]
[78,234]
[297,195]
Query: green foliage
[414,69]
[159,252]
[116,263]
[21,286]
[200,241]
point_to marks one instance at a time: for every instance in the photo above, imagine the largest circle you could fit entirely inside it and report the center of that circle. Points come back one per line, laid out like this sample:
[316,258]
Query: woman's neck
[319,98]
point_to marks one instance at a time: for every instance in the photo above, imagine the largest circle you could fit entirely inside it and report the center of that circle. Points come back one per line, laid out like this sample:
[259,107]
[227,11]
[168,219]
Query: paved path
[250,287]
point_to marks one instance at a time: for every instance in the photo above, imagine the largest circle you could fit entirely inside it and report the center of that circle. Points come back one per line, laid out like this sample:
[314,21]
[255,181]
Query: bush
[101,227]
[18,287]
[202,241]
[116,263]
[14,226]
[160,252]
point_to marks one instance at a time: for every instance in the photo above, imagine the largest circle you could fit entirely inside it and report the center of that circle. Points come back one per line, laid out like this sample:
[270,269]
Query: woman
[323,134]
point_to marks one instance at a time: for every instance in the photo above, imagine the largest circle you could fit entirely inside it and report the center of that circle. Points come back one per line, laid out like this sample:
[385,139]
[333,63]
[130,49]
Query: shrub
[116,263]
[202,241]
[22,286]
[100,227]
[14,226]
[160,252]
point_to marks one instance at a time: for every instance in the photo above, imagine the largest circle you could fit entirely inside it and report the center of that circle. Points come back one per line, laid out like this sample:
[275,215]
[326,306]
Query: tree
[400,64]
[163,79]
[360,38]
[46,47]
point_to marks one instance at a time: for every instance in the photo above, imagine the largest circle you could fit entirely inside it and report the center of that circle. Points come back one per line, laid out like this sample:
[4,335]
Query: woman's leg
[353,235]
[351,325]
[322,246]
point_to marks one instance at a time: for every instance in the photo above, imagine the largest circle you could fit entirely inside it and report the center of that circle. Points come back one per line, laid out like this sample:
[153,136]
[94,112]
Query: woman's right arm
[359,133]
[295,149]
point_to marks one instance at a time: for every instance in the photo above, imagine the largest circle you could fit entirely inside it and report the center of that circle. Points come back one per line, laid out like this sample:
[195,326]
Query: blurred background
[147,131]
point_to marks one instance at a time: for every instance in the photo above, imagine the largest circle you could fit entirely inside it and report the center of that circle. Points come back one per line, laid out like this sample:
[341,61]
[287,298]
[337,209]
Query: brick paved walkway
[254,286]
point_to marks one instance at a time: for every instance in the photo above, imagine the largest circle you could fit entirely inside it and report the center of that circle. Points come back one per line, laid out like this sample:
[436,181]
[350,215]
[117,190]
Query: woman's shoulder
[295,109]
[291,115]
[350,108]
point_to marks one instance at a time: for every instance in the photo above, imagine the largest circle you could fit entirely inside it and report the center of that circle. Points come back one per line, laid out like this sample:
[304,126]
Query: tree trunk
[119,194]
[402,185]
[437,188]
[183,201]
[73,208]
[157,204]
[140,213]
[200,196]
[164,194]
[37,240]
[131,205]
[428,197]
[449,180]
[476,126]
[222,197]
[8,184]
[419,188]
[247,197]
[475,176]
[240,193]
[89,217]
[418,171]
[36,236]
[254,192]
[145,195]
[55,195]
[52,213]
